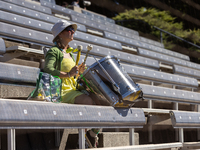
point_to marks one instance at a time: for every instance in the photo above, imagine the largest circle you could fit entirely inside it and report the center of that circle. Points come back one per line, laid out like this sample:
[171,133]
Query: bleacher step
[15,91]
[24,62]
[113,139]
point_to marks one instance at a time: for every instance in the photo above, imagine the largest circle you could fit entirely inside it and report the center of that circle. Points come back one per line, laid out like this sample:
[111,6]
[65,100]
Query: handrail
[161,30]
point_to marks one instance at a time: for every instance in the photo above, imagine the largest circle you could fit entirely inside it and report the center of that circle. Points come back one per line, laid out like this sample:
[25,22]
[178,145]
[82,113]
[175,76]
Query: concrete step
[114,139]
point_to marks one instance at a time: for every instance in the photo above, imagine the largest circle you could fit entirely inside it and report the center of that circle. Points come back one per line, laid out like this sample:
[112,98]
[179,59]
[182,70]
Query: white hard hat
[60,26]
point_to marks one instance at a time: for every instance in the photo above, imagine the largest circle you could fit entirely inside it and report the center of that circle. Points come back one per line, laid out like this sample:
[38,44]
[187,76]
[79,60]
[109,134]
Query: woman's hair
[59,42]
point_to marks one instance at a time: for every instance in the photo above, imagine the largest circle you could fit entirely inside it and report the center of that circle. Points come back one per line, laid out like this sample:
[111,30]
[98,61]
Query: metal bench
[91,24]
[125,38]
[160,77]
[169,94]
[25,34]
[140,45]
[17,81]
[30,5]
[152,75]
[124,57]
[49,1]
[97,16]
[97,40]
[186,71]
[43,22]
[65,11]
[46,115]
[168,59]
[31,23]
[18,73]
[186,120]
[152,42]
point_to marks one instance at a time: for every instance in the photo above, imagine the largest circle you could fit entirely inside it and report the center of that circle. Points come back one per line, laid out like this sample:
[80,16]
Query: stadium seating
[186,71]
[65,11]
[183,119]
[25,22]
[25,34]
[161,93]
[152,75]
[45,19]
[135,42]
[30,5]
[125,57]
[166,59]
[98,16]
[18,73]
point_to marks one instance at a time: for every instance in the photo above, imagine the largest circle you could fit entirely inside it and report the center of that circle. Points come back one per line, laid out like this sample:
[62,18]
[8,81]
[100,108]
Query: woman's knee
[83,99]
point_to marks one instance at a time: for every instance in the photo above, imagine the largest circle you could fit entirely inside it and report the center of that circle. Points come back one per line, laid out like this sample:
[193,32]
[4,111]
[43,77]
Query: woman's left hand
[82,68]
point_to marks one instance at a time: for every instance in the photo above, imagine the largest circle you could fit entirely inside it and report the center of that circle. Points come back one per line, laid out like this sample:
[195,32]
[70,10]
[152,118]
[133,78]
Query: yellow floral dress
[69,92]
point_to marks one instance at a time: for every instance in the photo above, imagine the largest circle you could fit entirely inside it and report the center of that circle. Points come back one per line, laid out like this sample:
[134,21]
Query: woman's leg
[83,99]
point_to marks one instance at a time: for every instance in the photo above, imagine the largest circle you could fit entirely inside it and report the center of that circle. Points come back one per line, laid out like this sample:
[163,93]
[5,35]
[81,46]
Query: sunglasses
[70,28]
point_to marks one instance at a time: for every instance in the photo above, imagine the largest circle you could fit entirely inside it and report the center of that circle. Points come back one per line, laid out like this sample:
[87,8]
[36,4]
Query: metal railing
[161,39]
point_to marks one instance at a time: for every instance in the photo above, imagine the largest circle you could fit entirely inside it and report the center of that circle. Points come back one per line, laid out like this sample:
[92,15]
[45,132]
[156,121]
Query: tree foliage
[143,20]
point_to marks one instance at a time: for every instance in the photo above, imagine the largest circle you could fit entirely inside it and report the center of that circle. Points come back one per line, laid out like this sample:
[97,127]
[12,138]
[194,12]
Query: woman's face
[67,35]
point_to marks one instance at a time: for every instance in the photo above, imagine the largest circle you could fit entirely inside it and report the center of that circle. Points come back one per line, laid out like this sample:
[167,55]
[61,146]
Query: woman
[60,63]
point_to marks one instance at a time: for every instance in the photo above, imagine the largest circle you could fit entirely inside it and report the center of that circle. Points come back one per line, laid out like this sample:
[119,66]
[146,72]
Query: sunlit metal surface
[20,114]
[184,119]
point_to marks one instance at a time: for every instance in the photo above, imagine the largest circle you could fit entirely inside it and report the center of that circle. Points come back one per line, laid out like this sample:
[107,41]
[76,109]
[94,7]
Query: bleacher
[166,119]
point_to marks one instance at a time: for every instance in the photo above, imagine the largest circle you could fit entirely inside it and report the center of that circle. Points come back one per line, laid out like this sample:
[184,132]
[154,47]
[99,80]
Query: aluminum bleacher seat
[4,6]
[65,11]
[25,21]
[118,28]
[143,39]
[44,38]
[185,119]
[97,40]
[137,43]
[125,57]
[125,36]
[98,16]
[30,23]
[49,1]
[27,12]
[90,24]
[186,71]
[167,59]
[18,73]
[69,12]
[30,5]
[169,94]
[17,80]
[161,77]
[152,75]
[16,32]
[120,38]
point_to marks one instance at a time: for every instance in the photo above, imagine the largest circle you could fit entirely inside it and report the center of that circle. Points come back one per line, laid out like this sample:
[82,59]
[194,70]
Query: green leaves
[144,19]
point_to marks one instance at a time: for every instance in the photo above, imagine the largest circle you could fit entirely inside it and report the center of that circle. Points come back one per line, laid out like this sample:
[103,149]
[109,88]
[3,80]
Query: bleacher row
[142,58]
